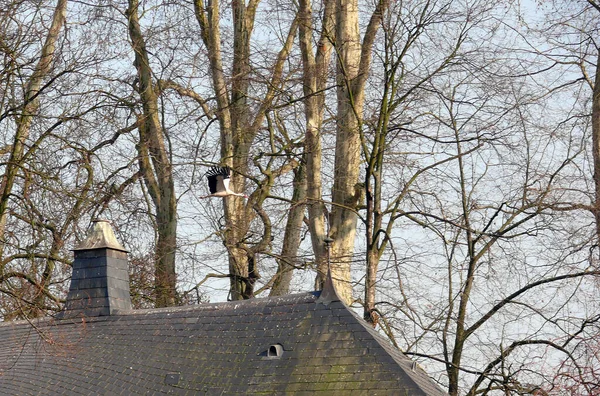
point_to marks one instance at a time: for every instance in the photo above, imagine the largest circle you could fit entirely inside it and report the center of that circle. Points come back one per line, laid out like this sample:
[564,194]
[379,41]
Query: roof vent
[275,350]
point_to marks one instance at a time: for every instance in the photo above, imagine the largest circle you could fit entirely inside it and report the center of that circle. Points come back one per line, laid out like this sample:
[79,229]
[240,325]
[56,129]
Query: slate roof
[300,344]
[214,349]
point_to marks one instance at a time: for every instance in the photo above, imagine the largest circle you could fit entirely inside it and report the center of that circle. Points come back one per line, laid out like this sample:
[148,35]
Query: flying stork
[218,182]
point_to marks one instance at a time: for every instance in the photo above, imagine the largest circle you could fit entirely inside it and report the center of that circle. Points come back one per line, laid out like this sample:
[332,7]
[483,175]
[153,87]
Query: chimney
[100,281]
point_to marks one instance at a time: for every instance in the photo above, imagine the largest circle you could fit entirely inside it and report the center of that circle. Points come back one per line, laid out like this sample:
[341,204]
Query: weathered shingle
[213,349]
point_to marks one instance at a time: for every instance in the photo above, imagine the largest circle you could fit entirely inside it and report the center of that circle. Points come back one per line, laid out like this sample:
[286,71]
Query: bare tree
[27,109]
[239,126]
[155,166]
[401,86]
[353,66]
[32,239]
[569,36]
[315,66]
[455,144]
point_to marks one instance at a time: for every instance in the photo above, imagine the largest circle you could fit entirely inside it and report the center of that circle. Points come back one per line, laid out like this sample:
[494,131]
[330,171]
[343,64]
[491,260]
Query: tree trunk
[353,66]
[373,228]
[315,69]
[291,239]
[596,145]
[465,295]
[156,168]
[347,147]
[374,215]
[237,225]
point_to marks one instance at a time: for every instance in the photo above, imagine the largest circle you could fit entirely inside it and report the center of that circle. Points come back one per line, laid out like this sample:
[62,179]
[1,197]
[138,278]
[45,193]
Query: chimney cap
[100,236]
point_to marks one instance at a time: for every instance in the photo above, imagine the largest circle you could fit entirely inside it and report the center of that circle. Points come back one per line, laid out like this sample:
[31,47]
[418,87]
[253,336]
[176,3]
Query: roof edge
[411,367]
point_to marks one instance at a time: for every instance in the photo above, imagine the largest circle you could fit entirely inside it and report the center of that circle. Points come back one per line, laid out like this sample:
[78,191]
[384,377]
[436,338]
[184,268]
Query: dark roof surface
[319,346]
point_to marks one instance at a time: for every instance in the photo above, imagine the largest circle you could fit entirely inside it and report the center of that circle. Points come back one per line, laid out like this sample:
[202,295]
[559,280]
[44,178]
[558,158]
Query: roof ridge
[215,306]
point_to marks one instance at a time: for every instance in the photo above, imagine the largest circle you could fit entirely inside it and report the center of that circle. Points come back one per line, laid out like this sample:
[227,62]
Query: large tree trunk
[234,152]
[30,109]
[156,168]
[315,69]
[353,66]
[347,147]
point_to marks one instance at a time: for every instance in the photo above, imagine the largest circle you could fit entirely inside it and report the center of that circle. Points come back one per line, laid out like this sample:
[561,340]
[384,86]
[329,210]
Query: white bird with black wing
[218,182]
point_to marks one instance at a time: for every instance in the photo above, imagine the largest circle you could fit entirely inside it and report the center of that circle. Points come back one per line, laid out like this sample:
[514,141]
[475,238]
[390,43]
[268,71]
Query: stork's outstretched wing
[218,182]
[218,179]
